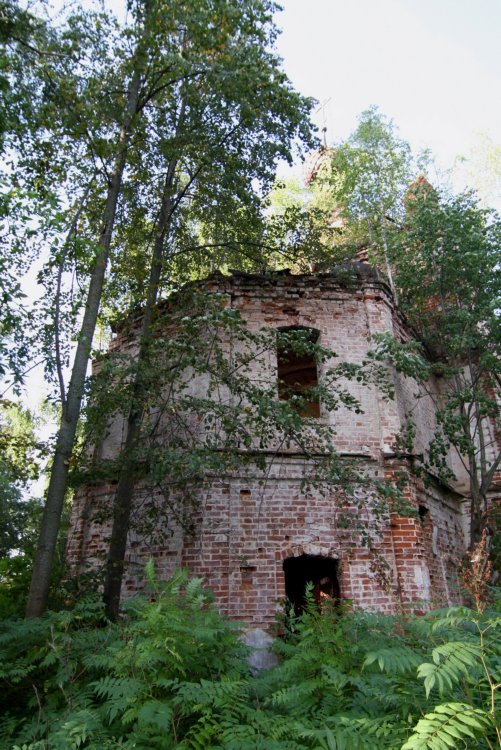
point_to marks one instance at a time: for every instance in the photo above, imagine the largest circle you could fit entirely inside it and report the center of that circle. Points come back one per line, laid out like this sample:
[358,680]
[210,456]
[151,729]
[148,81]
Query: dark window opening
[423,514]
[297,368]
[320,572]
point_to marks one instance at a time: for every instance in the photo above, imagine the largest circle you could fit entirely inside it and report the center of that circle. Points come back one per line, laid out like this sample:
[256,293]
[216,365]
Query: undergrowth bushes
[172,674]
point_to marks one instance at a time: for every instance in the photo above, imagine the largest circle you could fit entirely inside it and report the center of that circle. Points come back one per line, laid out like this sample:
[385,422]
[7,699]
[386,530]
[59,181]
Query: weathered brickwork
[243,528]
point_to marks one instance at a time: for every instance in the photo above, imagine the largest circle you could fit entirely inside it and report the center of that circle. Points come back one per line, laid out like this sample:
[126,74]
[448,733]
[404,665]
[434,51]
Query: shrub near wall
[73,680]
[172,674]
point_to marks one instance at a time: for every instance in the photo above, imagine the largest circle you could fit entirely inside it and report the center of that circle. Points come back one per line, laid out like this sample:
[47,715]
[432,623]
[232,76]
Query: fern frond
[194,591]
[8,725]
[394,659]
[297,695]
[155,713]
[202,733]
[451,662]
[112,687]
[80,728]
[454,617]
[356,733]
[335,677]
[207,693]
[119,693]
[446,724]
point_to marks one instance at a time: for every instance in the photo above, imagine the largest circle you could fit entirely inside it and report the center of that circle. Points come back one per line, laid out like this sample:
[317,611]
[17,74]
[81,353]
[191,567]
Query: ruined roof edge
[345,274]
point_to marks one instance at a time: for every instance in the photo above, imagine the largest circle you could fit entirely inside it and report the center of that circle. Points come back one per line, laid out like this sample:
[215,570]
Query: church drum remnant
[255,536]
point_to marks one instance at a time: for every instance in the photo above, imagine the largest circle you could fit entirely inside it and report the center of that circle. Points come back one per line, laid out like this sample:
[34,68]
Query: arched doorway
[320,571]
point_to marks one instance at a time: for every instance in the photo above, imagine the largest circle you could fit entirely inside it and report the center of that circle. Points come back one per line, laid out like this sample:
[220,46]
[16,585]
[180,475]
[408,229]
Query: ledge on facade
[407,458]
[293,453]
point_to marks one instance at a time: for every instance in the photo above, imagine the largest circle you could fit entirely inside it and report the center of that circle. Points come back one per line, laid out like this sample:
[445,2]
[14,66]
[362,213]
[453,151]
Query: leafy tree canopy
[446,268]
[21,455]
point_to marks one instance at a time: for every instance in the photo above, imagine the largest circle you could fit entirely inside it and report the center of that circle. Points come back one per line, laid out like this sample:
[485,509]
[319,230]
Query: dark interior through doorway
[320,571]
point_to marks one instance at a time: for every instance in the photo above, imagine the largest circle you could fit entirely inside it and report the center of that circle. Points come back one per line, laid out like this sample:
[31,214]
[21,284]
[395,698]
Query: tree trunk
[387,258]
[40,580]
[122,505]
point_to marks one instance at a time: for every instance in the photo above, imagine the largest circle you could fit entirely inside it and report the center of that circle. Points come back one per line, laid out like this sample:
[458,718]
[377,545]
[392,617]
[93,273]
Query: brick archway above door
[314,549]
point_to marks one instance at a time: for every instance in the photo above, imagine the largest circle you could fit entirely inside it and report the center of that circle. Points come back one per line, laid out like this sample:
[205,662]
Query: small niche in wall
[247,573]
[318,571]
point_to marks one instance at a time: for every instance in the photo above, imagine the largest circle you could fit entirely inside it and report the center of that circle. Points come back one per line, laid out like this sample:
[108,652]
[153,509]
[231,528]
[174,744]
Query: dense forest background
[138,158]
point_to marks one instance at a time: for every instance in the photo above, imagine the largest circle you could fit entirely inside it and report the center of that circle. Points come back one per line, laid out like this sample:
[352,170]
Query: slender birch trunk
[40,580]
[386,254]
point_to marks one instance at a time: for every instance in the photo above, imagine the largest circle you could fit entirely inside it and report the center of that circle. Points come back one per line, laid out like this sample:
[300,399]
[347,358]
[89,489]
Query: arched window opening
[320,572]
[297,368]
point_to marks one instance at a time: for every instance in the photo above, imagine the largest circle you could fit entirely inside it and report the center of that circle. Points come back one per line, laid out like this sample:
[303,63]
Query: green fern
[447,724]
[452,662]
[118,694]
[394,659]
[172,676]
[77,731]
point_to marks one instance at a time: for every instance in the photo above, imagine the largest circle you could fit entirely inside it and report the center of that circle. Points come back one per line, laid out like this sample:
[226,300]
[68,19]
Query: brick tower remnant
[255,536]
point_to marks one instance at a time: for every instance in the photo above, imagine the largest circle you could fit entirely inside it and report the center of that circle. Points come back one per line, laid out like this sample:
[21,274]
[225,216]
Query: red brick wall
[245,526]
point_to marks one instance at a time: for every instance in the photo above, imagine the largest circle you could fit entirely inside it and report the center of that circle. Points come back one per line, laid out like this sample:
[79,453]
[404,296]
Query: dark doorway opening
[320,572]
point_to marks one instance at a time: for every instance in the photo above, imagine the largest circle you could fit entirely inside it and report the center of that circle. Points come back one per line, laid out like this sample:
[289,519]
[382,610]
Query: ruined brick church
[258,543]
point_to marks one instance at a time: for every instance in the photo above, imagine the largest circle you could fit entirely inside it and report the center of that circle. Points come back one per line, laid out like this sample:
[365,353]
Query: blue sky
[433,66]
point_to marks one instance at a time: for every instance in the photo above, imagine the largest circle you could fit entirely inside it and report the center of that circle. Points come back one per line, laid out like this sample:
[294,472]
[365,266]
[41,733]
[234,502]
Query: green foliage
[445,264]
[480,168]
[172,674]
[21,457]
[305,225]
[451,662]
[371,171]
[360,184]
[21,453]
[448,723]
[74,680]
[448,255]
[22,34]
